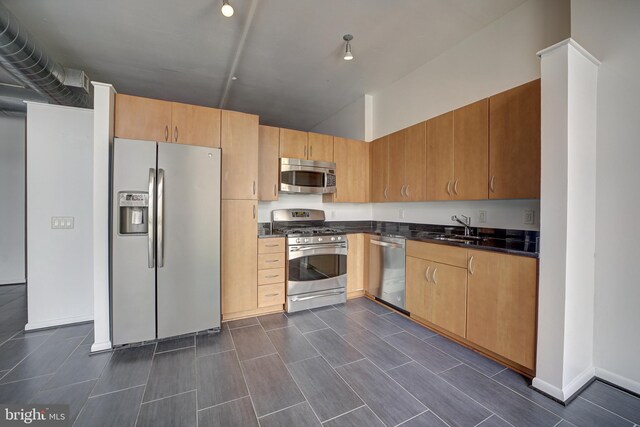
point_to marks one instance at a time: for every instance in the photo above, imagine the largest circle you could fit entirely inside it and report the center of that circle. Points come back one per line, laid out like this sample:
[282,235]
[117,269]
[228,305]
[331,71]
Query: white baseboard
[618,380]
[569,390]
[13,281]
[101,346]
[31,326]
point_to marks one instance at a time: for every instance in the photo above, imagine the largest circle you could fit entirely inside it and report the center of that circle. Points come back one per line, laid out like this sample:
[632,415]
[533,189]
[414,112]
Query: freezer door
[188,241]
[133,286]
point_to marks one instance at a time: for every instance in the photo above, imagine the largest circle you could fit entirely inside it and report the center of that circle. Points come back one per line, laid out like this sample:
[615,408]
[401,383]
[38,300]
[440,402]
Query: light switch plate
[62,222]
[483,217]
[529,216]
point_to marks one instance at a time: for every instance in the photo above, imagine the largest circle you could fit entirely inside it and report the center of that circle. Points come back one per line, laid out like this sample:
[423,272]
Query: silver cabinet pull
[402,191]
[311,151]
[175,134]
[426,273]
[434,279]
[305,151]
[272,295]
[455,187]
[272,276]
[385,192]
[271,261]
[270,246]
[406,191]
[254,211]
[151,218]
[491,187]
[166,133]
[275,190]
[160,218]
[471,265]
[449,187]
[254,187]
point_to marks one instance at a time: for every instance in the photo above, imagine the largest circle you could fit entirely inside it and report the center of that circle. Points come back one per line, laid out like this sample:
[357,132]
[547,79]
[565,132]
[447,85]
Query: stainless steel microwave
[307,176]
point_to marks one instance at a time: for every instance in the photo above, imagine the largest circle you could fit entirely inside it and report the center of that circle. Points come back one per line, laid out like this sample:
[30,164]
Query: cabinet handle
[449,187]
[311,151]
[385,192]
[426,274]
[275,190]
[272,276]
[455,187]
[271,246]
[254,187]
[305,151]
[433,276]
[406,191]
[254,211]
[402,191]
[166,133]
[491,187]
[175,134]
[471,265]
[271,260]
[272,295]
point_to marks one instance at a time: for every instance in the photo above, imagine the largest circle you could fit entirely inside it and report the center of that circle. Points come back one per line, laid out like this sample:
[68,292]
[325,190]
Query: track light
[227,9]
[348,56]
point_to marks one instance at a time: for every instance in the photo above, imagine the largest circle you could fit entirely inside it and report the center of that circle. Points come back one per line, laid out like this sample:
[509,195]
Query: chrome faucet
[465,221]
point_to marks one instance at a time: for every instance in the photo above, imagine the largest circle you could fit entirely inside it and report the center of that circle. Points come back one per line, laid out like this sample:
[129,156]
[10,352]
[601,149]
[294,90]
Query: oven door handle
[315,251]
[326,294]
[310,248]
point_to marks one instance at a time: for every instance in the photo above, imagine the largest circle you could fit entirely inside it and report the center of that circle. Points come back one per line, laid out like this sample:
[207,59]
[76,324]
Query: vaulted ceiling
[289,69]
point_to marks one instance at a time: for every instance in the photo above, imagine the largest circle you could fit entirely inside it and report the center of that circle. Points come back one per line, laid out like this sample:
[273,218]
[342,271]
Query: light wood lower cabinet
[271,295]
[502,305]
[418,288]
[239,256]
[271,272]
[357,263]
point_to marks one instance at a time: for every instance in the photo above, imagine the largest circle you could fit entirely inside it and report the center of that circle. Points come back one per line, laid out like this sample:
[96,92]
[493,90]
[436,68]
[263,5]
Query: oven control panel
[314,240]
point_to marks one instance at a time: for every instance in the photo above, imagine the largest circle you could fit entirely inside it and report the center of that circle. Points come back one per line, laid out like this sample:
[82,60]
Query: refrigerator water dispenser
[133,213]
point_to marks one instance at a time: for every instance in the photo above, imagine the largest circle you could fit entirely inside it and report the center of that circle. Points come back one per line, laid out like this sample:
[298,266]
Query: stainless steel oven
[307,176]
[316,271]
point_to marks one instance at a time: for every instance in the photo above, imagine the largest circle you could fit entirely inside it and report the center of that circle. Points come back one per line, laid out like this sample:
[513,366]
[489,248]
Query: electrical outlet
[529,217]
[401,213]
[483,217]
[61,222]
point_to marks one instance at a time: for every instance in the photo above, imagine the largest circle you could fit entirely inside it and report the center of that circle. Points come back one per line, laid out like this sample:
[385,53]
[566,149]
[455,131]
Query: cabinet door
[379,169]
[415,158]
[320,147]
[142,118]
[239,142]
[471,151]
[268,175]
[357,262]
[293,143]
[396,166]
[352,171]
[194,125]
[449,298]
[514,166]
[239,256]
[501,305]
[440,157]
[418,288]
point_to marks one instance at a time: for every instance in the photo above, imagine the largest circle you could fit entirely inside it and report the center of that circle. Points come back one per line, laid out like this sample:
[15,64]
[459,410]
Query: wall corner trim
[570,42]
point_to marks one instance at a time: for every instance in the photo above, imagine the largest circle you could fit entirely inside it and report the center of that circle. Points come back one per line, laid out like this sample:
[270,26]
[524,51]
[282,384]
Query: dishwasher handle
[386,244]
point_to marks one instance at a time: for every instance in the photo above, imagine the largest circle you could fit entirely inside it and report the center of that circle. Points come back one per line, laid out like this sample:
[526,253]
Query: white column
[567,220]
[103,105]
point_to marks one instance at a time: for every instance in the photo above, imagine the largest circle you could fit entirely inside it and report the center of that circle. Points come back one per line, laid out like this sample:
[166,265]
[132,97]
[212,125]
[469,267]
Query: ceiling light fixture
[227,9]
[348,56]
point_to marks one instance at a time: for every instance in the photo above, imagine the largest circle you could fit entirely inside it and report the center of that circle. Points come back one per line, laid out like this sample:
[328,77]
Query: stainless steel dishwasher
[386,269]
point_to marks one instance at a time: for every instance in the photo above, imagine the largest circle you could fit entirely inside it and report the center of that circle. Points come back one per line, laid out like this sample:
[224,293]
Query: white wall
[59,183]
[610,31]
[333,211]
[12,200]
[349,122]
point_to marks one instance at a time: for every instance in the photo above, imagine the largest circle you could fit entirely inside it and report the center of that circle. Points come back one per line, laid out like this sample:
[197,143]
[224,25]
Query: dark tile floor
[357,364]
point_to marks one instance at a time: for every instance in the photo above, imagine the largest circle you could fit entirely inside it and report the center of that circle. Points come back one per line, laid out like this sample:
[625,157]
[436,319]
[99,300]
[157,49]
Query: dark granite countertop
[515,242]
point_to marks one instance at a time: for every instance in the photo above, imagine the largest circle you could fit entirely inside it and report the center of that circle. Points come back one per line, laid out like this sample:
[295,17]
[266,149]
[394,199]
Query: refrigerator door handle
[151,218]
[160,227]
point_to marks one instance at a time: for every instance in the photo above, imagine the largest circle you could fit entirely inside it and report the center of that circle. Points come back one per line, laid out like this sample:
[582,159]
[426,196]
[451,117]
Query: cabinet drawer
[272,275]
[269,295]
[439,253]
[267,261]
[271,245]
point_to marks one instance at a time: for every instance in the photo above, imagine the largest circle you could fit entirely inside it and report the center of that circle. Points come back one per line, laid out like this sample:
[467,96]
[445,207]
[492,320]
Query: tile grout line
[605,409]
[166,397]
[147,382]
[364,405]
[222,403]
[244,378]
[175,349]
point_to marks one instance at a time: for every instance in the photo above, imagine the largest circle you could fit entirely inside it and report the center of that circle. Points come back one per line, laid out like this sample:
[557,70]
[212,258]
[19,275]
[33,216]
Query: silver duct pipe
[12,98]
[31,66]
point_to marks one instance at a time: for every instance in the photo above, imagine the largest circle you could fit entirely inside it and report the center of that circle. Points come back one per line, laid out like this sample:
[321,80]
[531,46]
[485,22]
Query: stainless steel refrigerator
[165,245]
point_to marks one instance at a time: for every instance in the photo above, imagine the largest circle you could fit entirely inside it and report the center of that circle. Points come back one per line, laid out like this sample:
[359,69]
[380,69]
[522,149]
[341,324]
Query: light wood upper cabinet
[514,166]
[471,151]
[415,169]
[396,166]
[268,151]
[379,153]
[501,316]
[293,143]
[440,157]
[142,118]
[357,262]
[320,147]
[239,142]
[195,125]
[352,171]
[239,256]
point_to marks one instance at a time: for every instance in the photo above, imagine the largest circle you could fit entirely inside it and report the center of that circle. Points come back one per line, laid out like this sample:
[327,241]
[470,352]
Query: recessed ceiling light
[227,9]
[348,55]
